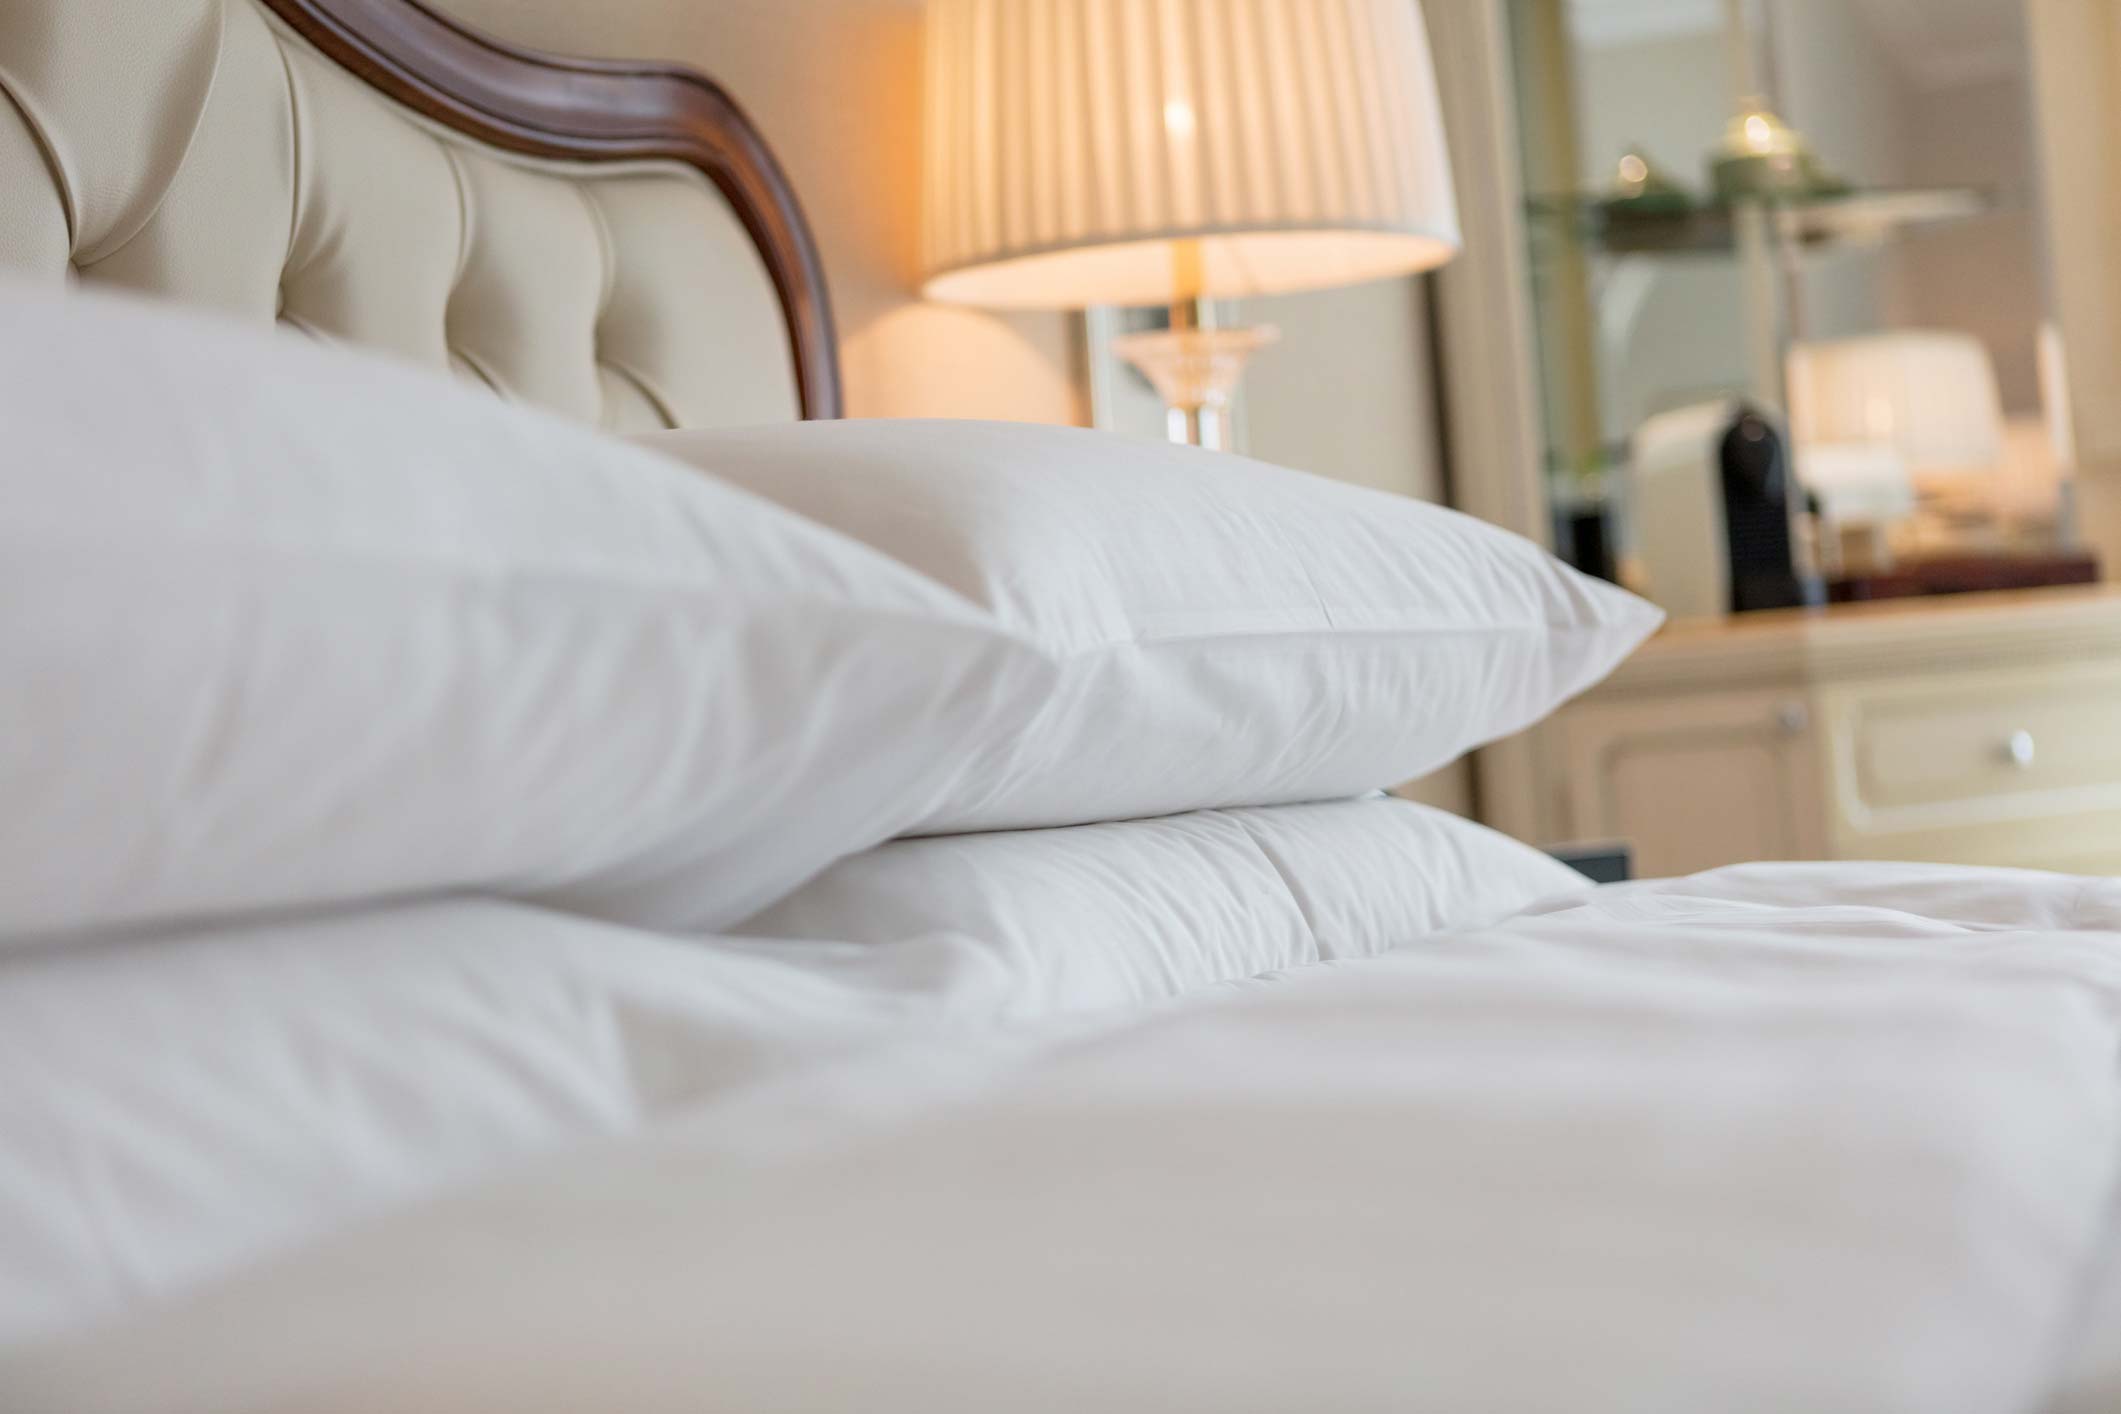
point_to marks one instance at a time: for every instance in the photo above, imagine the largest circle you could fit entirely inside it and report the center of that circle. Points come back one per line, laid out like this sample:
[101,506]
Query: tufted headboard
[613,241]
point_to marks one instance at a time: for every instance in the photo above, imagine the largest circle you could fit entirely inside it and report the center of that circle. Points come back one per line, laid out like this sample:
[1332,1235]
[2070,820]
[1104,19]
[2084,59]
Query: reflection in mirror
[1826,210]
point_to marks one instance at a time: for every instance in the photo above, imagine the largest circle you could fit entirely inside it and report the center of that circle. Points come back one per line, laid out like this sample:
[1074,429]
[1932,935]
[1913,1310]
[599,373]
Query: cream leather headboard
[610,241]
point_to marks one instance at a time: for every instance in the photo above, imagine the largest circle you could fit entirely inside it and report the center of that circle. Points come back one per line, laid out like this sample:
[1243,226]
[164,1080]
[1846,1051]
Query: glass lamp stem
[1194,366]
[1194,423]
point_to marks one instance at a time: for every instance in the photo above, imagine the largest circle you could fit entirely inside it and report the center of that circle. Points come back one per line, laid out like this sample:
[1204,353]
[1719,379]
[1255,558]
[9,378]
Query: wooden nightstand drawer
[2009,741]
[2005,767]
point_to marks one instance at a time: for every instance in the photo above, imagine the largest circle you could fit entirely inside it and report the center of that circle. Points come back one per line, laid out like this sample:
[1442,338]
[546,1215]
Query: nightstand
[1977,729]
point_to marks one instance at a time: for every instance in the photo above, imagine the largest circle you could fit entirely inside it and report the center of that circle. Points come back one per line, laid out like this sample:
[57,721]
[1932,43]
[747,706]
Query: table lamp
[1880,418]
[1174,152]
[1928,395]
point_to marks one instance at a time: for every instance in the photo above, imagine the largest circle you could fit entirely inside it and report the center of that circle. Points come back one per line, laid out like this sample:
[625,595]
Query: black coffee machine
[1761,501]
[1714,507]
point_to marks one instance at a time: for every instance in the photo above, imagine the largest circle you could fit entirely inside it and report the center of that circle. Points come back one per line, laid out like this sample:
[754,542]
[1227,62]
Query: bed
[1135,1077]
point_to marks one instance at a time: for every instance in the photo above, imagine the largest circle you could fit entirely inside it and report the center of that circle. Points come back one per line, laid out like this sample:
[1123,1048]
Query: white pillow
[1111,915]
[286,625]
[1233,633]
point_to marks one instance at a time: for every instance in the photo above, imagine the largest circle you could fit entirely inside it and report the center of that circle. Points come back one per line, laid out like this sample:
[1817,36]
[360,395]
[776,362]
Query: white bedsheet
[1778,1138]
[175,1105]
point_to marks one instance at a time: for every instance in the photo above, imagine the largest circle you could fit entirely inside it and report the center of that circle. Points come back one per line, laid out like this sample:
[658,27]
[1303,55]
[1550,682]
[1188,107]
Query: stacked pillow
[1095,917]
[305,627]
[284,626]
[1228,634]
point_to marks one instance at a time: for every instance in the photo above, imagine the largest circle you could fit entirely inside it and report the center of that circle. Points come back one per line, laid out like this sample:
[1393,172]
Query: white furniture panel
[1980,730]
[1696,780]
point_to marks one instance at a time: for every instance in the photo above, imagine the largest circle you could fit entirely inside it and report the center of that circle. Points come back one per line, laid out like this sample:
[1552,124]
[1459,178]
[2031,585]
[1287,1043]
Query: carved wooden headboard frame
[554,106]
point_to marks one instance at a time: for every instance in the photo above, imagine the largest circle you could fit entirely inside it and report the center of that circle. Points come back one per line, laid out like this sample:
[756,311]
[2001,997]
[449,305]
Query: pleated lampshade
[1130,152]
[1928,395]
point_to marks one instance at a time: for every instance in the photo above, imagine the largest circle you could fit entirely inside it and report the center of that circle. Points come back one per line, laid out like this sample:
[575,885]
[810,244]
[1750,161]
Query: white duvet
[1778,1138]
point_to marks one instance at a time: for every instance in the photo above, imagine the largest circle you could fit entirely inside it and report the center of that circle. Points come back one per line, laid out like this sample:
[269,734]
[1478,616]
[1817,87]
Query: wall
[835,85]
[1348,390]
[1985,277]
[1840,88]
[2077,76]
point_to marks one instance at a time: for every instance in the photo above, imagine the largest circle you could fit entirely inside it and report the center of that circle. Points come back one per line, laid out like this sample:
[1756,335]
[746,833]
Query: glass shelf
[1850,220]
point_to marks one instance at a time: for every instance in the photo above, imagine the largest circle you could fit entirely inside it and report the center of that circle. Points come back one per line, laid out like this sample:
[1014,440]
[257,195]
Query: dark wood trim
[550,105]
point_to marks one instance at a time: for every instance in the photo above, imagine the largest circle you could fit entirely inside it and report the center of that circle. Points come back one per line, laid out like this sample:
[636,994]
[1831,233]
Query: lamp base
[1195,371]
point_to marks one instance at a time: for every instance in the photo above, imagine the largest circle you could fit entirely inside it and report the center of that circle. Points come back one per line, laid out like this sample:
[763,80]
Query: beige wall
[2077,78]
[835,85]
[1987,277]
[1348,390]
[1840,88]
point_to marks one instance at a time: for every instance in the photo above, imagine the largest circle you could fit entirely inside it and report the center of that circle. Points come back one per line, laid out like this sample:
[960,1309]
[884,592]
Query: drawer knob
[1791,718]
[2019,749]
